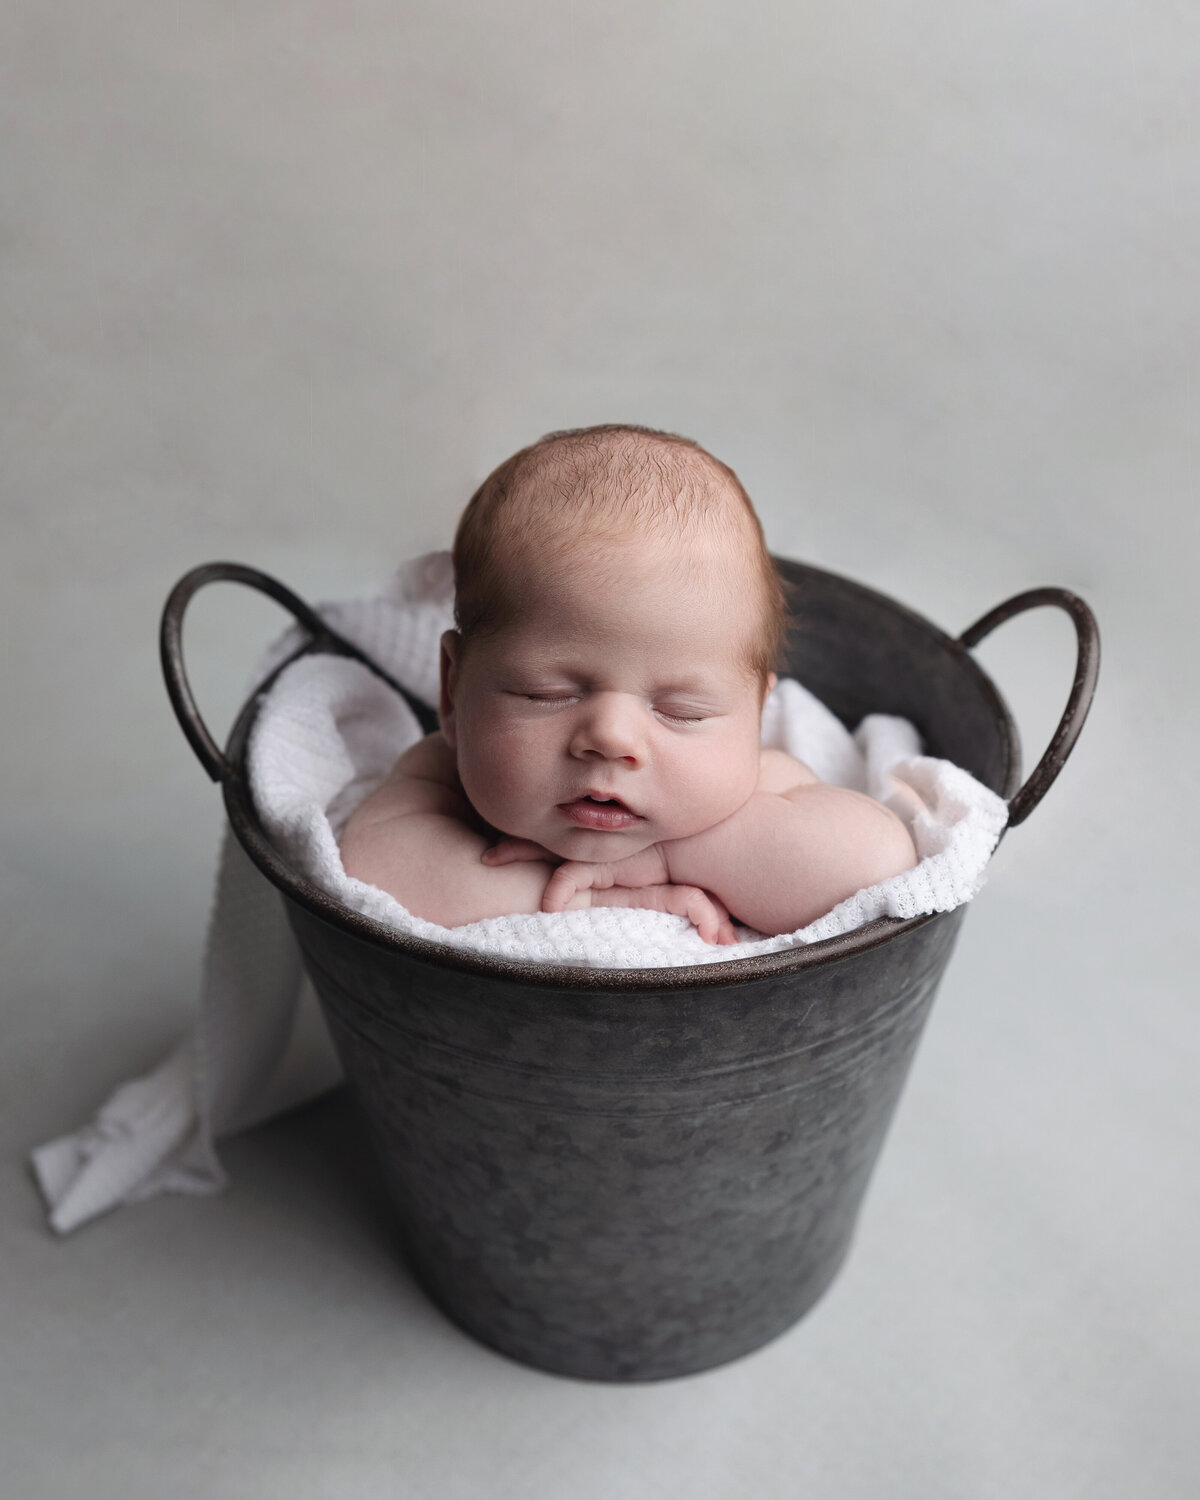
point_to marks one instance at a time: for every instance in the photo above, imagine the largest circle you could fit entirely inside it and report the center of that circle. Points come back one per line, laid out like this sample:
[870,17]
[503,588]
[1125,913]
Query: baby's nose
[611,727]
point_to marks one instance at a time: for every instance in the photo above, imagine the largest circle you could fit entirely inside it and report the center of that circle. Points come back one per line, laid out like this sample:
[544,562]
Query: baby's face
[617,711]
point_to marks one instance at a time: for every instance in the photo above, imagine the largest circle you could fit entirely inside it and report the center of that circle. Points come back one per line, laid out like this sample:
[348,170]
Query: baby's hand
[511,851]
[641,881]
[702,910]
[646,868]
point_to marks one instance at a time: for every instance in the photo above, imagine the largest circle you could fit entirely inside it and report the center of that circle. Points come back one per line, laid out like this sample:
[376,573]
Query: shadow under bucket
[630,1174]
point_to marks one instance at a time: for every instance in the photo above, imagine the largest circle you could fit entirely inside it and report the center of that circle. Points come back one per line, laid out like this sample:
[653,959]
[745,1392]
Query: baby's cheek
[739,773]
[498,769]
[488,795]
[712,787]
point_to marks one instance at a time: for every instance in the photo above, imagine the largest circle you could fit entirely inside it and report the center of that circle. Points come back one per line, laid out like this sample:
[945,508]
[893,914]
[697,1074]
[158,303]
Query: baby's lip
[593,795]
[600,810]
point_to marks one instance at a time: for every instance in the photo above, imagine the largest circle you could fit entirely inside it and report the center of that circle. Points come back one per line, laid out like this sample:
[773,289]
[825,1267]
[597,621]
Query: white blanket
[326,735]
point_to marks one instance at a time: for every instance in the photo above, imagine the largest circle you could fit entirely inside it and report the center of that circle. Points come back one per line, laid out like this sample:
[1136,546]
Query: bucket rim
[297,888]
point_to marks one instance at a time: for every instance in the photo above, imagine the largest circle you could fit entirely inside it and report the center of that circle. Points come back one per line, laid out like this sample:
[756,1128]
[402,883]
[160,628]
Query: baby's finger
[717,929]
[725,933]
[709,917]
[560,889]
[509,851]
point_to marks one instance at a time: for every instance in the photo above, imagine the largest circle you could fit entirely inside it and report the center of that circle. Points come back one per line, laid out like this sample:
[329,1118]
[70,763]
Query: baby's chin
[594,846]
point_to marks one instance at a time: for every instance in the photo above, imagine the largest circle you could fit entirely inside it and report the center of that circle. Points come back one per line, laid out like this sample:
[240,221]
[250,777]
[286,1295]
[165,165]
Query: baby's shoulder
[780,772]
[423,780]
[430,759]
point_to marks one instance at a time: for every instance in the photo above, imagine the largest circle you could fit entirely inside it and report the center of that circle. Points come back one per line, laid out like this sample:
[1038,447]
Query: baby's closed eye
[671,711]
[681,715]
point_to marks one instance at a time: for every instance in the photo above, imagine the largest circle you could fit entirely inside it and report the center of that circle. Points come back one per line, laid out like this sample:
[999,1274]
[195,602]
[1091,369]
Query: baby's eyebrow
[690,697]
[686,686]
[538,670]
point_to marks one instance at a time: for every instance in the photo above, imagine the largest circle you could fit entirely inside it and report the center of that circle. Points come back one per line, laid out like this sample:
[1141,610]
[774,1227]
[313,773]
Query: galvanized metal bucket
[632,1174]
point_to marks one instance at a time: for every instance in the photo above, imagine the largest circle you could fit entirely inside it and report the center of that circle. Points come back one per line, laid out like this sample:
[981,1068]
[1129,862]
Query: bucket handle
[1087,668]
[171,652]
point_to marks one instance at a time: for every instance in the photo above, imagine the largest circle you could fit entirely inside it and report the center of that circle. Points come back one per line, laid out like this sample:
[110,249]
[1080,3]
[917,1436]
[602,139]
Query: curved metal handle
[171,651]
[1087,669]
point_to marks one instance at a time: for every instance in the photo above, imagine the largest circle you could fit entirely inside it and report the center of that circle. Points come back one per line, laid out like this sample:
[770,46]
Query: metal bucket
[628,1174]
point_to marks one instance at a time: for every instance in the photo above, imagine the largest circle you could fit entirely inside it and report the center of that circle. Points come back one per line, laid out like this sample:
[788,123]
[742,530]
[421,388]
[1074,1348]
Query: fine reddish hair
[600,483]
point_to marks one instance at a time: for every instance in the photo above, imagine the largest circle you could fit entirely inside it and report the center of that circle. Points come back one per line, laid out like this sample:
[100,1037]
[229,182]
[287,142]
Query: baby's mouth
[595,811]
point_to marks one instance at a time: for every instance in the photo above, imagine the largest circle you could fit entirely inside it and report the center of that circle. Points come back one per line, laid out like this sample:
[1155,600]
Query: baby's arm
[417,838]
[787,856]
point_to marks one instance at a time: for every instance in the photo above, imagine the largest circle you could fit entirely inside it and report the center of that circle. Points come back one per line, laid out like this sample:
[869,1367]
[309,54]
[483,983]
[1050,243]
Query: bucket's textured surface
[626,1185]
[633,1174]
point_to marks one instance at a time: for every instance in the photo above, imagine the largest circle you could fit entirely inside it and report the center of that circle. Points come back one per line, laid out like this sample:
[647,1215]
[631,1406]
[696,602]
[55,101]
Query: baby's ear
[770,687]
[451,645]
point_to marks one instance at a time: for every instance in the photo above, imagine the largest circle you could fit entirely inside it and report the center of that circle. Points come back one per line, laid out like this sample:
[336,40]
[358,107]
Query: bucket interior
[860,653]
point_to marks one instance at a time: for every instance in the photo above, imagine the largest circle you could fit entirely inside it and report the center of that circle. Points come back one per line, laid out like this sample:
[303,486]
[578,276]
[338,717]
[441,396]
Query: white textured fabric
[326,735]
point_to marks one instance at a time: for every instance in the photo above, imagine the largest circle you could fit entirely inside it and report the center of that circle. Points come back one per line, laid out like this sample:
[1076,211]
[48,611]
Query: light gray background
[281,283]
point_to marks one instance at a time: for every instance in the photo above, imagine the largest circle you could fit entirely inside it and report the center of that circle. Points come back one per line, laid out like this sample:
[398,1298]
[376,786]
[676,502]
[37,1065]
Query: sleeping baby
[617,620]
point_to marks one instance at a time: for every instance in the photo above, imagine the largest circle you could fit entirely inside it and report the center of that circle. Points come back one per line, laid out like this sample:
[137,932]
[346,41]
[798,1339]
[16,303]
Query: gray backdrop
[280,284]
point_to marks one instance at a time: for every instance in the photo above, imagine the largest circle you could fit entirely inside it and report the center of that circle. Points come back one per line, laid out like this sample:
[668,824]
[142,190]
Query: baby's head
[618,618]
[592,497]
